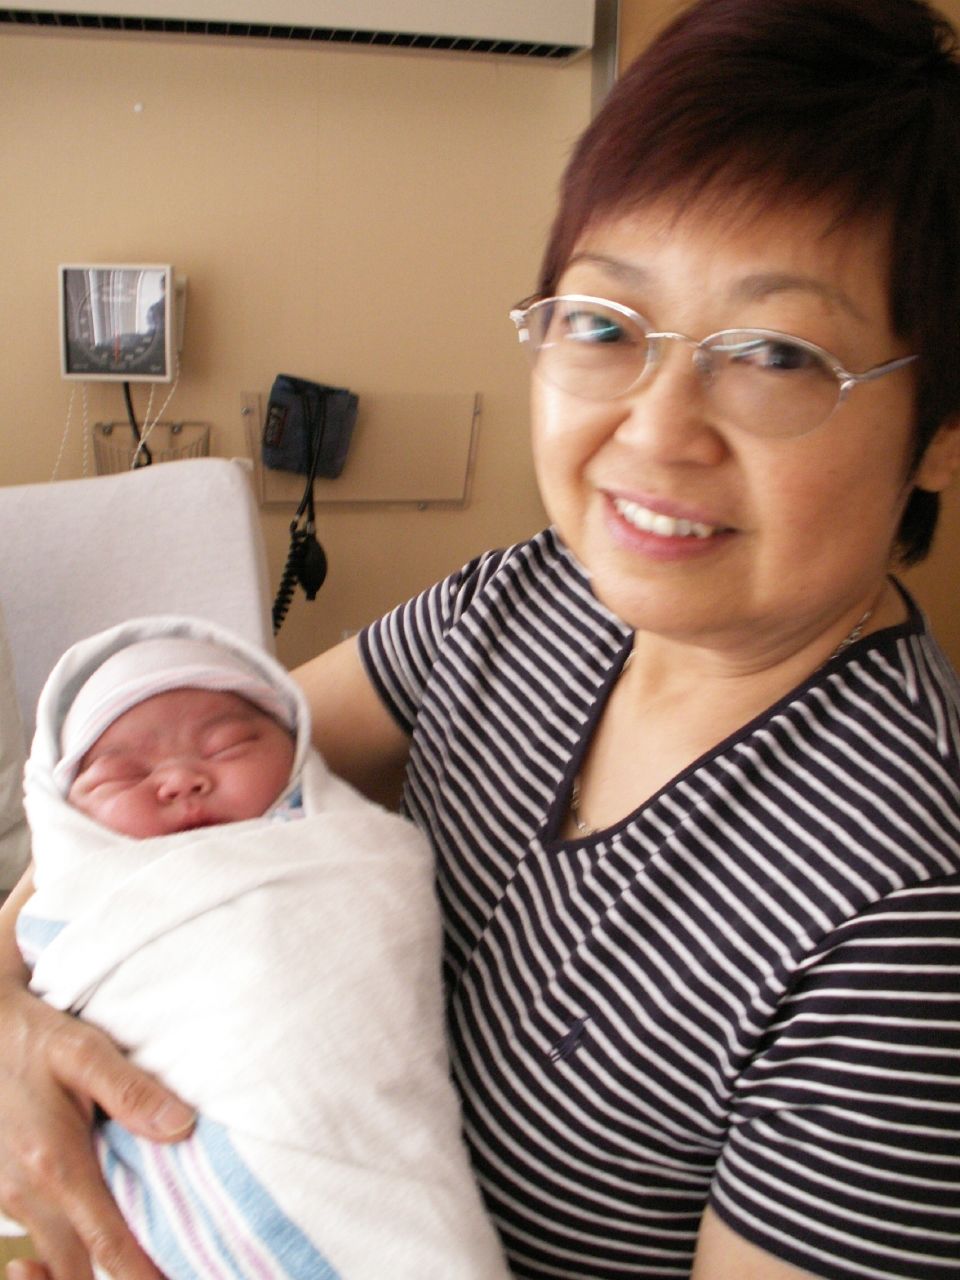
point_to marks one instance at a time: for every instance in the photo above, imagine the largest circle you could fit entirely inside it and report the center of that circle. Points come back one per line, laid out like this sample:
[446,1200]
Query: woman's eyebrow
[763,284]
[752,288]
[613,266]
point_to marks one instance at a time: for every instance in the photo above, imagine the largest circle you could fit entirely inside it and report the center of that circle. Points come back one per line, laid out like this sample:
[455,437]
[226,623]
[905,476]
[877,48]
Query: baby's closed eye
[230,740]
[112,768]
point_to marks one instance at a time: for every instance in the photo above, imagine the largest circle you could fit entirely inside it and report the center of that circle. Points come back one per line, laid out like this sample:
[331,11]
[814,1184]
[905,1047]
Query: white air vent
[552,29]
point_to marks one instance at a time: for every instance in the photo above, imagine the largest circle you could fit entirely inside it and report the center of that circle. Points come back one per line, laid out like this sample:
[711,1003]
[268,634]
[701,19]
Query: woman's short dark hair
[854,104]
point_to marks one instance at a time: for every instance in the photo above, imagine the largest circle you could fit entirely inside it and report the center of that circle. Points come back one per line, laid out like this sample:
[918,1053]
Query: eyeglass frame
[846,380]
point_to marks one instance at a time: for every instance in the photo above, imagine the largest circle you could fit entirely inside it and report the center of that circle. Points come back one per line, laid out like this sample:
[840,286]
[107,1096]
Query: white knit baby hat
[148,667]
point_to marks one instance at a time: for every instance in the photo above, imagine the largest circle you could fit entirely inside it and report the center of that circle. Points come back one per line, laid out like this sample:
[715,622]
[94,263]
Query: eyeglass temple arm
[850,380]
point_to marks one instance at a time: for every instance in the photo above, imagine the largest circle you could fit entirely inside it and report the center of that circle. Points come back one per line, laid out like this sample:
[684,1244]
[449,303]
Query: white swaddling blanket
[284,978]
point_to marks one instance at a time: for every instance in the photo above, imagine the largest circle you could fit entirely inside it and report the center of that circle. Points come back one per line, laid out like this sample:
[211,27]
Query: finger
[59,1262]
[58,1251]
[76,1223]
[104,1238]
[54,1070]
[26,1269]
[92,1068]
[51,1181]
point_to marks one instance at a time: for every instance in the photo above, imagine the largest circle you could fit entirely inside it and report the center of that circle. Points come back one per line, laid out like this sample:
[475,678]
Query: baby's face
[184,759]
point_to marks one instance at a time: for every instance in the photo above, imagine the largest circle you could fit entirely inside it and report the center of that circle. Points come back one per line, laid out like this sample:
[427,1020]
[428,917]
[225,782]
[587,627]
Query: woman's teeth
[662,526]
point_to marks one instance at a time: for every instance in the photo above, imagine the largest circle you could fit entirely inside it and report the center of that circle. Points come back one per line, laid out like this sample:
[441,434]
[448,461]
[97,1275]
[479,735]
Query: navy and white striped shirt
[748,990]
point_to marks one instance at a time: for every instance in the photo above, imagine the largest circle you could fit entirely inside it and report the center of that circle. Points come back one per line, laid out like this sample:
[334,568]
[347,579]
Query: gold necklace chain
[582,829]
[853,635]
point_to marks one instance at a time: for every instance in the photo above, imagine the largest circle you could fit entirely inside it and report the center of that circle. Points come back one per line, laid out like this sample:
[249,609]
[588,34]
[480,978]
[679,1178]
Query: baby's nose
[179,780]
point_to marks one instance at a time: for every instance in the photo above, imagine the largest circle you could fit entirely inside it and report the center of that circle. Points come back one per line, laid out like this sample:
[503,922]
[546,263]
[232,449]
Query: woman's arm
[724,1255]
[352,729]
[53,1071]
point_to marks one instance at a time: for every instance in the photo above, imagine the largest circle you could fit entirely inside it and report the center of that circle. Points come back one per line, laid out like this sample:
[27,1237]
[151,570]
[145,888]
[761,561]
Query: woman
[689,759]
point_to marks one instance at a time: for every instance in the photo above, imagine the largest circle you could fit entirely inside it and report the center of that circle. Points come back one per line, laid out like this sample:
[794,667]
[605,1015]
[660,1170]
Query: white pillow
[14,836]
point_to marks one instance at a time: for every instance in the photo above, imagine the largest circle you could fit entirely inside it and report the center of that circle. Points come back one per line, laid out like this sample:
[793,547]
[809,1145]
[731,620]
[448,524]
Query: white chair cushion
[14,837]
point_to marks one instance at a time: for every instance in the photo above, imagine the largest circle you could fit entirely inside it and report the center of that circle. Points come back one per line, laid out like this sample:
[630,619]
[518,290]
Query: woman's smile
[659,523]
[694,526]
[645,528]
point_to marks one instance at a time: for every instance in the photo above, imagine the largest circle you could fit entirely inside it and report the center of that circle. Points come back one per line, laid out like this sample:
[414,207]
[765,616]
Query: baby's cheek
[80,798]
[121,809]
[77,793]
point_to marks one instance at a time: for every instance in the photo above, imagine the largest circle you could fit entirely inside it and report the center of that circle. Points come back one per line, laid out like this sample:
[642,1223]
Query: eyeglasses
[765,382]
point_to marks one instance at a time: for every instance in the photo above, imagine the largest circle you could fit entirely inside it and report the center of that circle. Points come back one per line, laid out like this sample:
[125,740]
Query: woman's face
[791,534]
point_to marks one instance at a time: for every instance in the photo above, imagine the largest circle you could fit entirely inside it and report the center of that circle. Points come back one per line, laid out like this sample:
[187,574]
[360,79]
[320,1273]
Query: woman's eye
[592,326]
[787,355]
[775,354]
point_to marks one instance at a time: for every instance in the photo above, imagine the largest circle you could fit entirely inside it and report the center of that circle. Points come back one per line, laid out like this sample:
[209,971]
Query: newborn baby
[268,943]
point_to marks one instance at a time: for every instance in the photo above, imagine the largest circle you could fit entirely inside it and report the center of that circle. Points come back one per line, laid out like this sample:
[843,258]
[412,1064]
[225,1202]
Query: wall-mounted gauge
[117,322]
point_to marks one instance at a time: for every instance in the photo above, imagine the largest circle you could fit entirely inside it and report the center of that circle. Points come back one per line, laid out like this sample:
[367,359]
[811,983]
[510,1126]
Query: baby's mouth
[194,823]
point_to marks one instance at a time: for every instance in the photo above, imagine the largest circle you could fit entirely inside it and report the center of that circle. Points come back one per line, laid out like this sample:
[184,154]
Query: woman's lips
[662,525]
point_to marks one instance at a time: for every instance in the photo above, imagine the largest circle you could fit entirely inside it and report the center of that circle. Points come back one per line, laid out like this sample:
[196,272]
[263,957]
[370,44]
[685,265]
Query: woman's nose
[179,779]
[668,414]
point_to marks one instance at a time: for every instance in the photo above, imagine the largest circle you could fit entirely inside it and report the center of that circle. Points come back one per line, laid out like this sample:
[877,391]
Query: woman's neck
[674,702]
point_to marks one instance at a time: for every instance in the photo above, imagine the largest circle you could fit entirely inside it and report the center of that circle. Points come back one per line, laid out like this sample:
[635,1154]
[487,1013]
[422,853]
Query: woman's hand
[53,1071]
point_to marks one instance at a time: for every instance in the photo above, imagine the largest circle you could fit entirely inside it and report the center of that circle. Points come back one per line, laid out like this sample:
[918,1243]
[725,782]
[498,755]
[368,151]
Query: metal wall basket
[114,446]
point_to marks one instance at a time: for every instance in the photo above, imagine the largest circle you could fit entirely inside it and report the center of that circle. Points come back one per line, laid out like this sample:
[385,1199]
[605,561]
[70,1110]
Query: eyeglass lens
[769,385]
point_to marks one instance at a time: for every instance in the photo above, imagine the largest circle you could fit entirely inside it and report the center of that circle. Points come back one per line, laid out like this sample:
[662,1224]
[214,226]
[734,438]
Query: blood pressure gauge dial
[116,322]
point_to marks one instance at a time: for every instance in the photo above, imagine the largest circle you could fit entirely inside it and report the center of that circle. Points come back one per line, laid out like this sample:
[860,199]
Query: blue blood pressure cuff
[305,416]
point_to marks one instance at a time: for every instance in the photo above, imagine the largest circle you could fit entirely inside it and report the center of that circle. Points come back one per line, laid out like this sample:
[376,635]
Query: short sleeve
[14,837]
[400,649]
[843,1156]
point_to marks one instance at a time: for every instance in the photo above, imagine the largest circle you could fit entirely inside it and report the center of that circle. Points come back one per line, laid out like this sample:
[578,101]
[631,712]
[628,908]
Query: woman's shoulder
[540,575]
[901,685]
[534,586]
[894,681]
[541,557]
[867,752]
[521,618]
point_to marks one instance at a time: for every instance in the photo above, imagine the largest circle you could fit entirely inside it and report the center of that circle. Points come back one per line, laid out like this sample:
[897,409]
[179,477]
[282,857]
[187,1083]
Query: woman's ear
[941,460]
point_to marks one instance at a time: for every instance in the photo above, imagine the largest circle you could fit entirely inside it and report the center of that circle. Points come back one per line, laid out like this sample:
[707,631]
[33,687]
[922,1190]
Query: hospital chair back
[81,555]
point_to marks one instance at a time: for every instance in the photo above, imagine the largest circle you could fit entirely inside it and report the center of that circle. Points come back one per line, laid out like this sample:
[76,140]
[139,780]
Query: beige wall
[363,218]
[639,21]
[935,582]
[359,217]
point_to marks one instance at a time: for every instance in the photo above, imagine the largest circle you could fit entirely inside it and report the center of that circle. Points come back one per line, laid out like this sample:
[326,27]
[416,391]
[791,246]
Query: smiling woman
[769,462]
[689,759]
